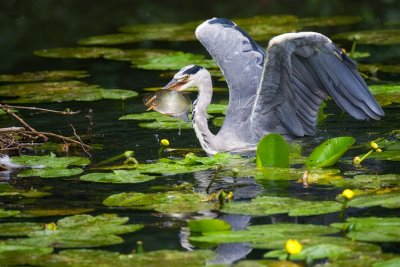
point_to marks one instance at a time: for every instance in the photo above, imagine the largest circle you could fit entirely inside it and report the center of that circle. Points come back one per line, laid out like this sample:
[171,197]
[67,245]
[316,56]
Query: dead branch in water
[17,139]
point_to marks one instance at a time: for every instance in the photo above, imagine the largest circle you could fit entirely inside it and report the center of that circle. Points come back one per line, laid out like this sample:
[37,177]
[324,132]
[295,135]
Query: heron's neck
[199,116]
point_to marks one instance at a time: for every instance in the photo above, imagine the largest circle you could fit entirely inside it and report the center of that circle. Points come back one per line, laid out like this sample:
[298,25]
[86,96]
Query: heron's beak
[174,85]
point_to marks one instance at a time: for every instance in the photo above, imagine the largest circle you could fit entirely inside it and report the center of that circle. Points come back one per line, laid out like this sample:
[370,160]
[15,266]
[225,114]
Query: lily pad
[75,231]
[329,21]
[268,205]
[20,255]
[165,202]
[372,181]
[158,121]
[50,166]
[262,28]
[60,92]
[54,75]
[272,151]
[386,94]
[208,225]
[6,190]
[389,200]
[329,152]
[45,212]
[8,213]
[104,258]
[117,176]
[373,37]
[76,52]
[374,229]
[174,61]
[277,234]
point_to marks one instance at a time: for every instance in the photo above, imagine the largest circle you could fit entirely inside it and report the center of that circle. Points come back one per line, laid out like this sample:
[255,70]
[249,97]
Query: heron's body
[279,89]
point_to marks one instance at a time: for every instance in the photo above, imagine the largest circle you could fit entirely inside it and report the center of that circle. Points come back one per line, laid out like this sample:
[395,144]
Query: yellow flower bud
[293,246]
[348,194]
[374,145]
[378,150]
[164,142]
[50,226]
[357,160]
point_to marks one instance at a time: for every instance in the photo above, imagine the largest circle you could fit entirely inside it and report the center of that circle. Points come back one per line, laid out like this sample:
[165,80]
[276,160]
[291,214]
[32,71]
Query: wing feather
[300,71]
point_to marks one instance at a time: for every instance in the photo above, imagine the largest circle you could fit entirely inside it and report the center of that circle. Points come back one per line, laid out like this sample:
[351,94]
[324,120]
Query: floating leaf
[268,205]
[272,151]
[389,200]
[372,181]
[386,94]
[117,176]
[373,229]
[45,212]
[277,234]
[21,255]
[374,37]
[262,28]
[8,190]
[50,161]
[173,61]
[50,173]
[54,75]
[329,21]
[104,258]
[60,92]
[208,225]
[75,231]
[8,213]
[166,202]
[329,152]
[76,52]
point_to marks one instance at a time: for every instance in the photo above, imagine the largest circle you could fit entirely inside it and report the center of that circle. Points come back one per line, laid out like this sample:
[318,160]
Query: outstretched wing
[300,71]
[241,60]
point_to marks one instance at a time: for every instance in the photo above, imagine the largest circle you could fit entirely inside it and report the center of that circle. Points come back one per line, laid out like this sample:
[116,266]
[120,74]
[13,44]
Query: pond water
[31,26]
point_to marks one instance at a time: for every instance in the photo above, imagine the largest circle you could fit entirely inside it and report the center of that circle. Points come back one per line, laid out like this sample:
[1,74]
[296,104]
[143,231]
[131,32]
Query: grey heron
[278,89]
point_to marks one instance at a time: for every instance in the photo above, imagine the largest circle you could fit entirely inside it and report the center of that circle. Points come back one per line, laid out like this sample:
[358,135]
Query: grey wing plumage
[300,71]
[241,60]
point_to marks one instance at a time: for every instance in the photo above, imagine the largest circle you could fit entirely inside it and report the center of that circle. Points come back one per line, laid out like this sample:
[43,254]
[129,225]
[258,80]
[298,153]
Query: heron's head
[189,76]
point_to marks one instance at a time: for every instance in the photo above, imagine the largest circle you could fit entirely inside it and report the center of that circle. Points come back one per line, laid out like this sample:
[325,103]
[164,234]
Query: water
[31,25]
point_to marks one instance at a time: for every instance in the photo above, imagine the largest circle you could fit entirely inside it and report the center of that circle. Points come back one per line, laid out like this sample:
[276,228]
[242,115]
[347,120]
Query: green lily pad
[374,68]
[110,39]
[275,233]
[75,231]
[386,94]
[268,205]
[372,181]
[104,258]
[165,202]
[389,200]
[208,225]
[329,21]
[8,213]
[262,28]
[373,37]
[6,190]
[388,263]
[60,92]
[76,52]
[44,212]
[117,176]
[54,75]
[272,151]
[372,229]
[50,166]
[329,152]
[20,255]
[158,121]
[174,61]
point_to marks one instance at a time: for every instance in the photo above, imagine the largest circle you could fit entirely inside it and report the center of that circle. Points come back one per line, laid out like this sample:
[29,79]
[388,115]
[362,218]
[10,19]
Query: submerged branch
[26,137]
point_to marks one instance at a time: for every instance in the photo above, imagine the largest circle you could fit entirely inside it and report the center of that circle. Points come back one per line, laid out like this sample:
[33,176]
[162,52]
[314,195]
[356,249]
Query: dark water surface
[26,26]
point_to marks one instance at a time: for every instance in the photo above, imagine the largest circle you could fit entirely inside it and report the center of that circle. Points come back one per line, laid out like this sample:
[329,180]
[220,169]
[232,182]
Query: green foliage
[46,75]
[374,37]
[272,151]
[269,205]
[117,176]
[208,225]
[60,92]
[329,152]
[374,229]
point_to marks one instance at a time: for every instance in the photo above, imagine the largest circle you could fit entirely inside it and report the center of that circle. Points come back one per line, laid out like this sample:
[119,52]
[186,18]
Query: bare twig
[15,116]
[80,141]
[11,129]
[40,109]
[89,132]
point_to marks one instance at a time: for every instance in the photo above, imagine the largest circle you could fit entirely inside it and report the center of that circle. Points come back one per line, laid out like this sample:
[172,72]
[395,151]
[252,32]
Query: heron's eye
[185,78]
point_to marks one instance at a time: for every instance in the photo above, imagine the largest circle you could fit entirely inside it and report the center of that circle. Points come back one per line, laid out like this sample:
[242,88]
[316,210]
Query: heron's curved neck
[199,115]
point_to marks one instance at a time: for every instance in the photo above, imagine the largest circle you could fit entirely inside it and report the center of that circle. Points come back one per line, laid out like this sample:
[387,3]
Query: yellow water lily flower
[293,246]
[164,142]
[348,194]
